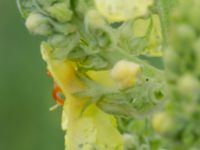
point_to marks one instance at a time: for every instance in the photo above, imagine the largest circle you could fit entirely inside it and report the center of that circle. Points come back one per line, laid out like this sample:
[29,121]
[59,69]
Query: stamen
[54,107]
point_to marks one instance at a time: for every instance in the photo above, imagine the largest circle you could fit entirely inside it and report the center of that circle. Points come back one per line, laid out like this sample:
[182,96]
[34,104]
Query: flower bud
[60,11]
[162,122]
[58,40]
[122,10]
[125,73]
[130,141]
[182,37]
[188,85]
[94,20]
[38,24]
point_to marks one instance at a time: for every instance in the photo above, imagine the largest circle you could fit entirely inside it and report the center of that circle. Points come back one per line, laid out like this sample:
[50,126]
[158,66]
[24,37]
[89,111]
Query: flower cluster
[101,54]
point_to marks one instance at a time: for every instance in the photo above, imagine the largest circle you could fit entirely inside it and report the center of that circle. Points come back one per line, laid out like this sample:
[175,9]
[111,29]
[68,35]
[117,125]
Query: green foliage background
[25,89]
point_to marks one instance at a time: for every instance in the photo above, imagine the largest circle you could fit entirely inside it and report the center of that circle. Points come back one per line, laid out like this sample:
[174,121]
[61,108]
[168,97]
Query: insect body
[57,92]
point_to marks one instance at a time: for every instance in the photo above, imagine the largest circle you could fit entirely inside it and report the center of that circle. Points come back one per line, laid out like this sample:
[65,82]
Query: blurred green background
[25,89]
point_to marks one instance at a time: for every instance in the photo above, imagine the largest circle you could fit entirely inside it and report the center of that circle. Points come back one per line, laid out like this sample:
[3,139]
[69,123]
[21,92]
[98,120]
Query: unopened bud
[162,122]
[38,24]
[188,85]
[130,141]
[94,19]
[121,10]
[60,11]
[125,73]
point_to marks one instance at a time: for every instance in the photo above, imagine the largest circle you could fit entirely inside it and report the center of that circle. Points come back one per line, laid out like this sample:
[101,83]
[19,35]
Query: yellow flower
[86,129]
[122,10]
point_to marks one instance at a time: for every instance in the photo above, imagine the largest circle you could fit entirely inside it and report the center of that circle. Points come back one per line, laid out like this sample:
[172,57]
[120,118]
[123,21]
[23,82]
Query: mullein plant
[99,54]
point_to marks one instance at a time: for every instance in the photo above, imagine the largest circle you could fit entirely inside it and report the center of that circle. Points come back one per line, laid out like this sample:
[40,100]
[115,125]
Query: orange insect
[57,92]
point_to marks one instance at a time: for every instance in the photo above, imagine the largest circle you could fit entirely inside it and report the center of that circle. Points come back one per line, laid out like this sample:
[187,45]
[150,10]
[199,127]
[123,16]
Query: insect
[57,92]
